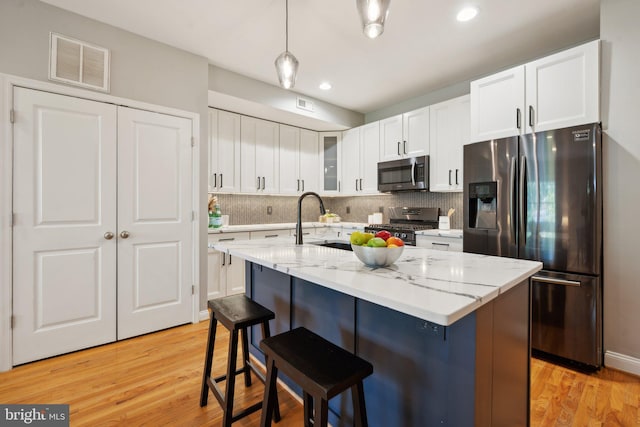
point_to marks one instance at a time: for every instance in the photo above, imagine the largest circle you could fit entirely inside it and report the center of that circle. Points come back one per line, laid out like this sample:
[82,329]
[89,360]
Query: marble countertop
[437,286]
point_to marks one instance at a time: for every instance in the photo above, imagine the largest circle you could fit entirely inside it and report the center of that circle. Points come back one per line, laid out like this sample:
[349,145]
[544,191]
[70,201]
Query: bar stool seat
[322,369]
[236,313]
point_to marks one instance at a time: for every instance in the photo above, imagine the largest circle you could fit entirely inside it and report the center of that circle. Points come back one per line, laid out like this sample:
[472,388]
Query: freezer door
[566,316]
[561,206]
[490,225]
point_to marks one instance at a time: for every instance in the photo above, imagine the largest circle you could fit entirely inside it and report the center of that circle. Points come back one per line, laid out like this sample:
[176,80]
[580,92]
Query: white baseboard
[622,362]
[204,315]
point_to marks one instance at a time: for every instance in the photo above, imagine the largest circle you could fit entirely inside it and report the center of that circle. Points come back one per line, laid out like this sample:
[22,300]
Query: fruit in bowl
[376,250]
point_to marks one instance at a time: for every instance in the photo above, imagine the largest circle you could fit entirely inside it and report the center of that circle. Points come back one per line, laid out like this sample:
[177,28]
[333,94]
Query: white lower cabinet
[225,272]
[442,243]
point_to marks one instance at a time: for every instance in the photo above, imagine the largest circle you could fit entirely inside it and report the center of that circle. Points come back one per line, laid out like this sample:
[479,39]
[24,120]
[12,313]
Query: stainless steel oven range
[404,222]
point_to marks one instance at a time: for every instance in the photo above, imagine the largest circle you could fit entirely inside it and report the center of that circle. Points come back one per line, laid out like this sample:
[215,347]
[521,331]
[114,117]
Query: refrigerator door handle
[523,194]
[554,281]
[513,184]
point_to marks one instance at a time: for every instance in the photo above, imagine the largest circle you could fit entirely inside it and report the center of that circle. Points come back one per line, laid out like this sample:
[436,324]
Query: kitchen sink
[345,246]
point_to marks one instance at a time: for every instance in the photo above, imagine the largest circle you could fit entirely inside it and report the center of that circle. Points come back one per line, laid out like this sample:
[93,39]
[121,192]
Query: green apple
[377,242]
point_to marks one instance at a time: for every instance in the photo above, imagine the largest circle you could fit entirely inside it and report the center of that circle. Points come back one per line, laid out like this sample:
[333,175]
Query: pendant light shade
[286,63]
[373,13]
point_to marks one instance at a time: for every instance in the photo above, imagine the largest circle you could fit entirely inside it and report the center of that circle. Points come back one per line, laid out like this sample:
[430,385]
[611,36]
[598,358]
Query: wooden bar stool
[236,313]
[322,369]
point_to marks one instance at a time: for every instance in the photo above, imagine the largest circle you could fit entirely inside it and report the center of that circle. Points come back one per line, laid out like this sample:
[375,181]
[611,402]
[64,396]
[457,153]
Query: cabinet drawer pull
[439,244]
[227,239]
[270,235]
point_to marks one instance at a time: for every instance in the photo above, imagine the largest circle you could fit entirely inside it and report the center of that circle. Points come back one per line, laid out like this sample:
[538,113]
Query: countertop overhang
[437,286]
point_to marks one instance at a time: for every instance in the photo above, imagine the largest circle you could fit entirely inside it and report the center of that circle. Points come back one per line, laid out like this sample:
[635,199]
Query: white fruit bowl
[377,257]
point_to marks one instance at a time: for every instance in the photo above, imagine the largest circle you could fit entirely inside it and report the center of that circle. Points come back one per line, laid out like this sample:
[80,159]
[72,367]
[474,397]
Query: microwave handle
[413,173]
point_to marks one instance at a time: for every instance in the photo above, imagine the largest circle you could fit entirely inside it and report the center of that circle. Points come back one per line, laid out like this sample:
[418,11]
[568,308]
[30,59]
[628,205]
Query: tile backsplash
[253,209]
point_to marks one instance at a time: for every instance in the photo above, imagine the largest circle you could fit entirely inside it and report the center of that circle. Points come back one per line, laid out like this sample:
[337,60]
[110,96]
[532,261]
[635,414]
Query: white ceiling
[422,49]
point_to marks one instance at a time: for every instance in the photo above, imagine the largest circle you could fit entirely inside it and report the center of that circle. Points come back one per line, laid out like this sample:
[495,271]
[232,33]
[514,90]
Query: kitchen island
[447,333]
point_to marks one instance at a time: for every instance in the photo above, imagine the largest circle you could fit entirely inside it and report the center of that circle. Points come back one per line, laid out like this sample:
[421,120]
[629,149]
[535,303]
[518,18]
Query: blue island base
[474,372]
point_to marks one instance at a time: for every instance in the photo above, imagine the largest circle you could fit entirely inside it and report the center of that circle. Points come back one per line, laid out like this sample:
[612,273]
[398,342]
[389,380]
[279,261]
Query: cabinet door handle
[220,180]
[404,147]
[518,118]
[398,148]
[531,115]
[263,182]
[258,187]
[449,176]
[229,259]
[339,186]
[224,257]
[215,180]
[356,184]
[303,185]
[457,183]
[298,185]
[360,184]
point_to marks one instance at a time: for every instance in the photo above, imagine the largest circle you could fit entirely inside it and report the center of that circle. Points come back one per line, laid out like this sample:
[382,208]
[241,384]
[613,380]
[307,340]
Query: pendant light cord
[286,25]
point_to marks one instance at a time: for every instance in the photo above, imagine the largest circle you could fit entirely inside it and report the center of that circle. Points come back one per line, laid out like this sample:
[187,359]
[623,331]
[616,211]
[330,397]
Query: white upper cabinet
[497,105]
[224,151]
[259,165]
[563,89]
[330,161]
[308,161]
[449,129]
[360,156]
[553,92]
[405,135]
[299,158]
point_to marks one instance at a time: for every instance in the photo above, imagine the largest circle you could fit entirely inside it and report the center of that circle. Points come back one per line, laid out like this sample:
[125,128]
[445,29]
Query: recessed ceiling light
[467,14]
[325,86]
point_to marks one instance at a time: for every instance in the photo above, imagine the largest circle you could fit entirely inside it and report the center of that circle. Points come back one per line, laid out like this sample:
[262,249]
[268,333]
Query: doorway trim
[7,83]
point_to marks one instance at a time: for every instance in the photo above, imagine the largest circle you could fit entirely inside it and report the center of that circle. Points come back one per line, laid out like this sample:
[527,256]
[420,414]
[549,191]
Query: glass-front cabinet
[330,149]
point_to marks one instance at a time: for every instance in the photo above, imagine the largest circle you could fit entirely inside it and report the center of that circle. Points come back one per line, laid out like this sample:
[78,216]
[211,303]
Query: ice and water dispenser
[483,201]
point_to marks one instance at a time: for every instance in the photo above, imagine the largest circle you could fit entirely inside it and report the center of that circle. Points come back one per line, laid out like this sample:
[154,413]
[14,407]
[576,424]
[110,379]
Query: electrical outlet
[269,210]
[348,209]
[381,209]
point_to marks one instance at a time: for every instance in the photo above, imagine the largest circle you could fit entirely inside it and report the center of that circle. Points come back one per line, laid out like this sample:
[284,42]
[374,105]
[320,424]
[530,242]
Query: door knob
[124,234]
[108,235]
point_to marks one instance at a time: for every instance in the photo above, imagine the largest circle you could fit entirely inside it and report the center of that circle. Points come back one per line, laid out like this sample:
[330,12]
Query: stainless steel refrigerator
[539,197]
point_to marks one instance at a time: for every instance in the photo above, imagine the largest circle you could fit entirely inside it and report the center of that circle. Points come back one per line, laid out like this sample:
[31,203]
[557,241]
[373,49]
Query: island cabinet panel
[421,371]
[271,289]
[330,314]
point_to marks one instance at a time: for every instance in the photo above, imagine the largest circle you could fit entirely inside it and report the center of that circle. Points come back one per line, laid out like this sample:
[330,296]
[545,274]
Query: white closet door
[64,269]
[154,221]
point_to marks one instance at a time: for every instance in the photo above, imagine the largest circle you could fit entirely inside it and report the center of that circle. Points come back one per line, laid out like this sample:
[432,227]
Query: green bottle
[215,217]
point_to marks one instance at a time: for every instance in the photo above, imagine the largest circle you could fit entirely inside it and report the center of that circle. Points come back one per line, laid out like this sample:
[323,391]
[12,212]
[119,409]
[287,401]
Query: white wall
[141,69]
[620,33]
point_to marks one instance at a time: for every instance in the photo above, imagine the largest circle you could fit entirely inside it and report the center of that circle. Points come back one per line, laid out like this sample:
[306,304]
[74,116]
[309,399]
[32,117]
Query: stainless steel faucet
[299,223]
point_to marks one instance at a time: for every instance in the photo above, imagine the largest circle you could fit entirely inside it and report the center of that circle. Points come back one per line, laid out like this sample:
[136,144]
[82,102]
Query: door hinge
[193,141]
[193,289]
[12,115]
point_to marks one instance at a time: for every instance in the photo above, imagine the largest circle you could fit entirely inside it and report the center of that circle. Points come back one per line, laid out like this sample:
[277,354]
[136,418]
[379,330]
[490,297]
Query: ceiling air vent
[78,63]
[304,104]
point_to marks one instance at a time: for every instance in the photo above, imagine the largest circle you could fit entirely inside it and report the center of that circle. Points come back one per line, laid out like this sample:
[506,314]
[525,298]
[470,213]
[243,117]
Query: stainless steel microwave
[410,174]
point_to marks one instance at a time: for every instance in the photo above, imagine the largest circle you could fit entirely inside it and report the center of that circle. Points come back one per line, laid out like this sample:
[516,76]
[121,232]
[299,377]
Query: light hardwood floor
[154,380]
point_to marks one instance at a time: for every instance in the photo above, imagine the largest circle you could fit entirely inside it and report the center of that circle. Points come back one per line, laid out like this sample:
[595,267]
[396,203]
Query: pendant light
[286,63]
[373,14]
